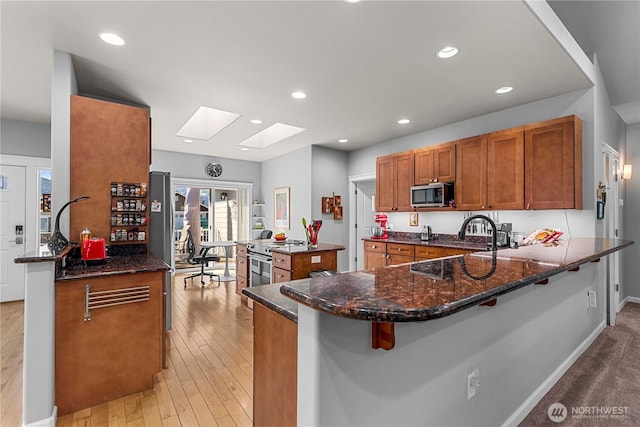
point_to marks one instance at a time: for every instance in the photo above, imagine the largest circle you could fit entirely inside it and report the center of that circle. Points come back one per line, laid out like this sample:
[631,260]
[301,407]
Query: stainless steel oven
[260,269]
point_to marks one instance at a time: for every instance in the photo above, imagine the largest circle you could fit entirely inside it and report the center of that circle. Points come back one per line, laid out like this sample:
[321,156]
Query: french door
[212,212]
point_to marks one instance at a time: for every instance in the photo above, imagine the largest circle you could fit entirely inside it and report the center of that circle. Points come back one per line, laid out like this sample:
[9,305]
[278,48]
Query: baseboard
[530,403]
[626,300]
[47,422]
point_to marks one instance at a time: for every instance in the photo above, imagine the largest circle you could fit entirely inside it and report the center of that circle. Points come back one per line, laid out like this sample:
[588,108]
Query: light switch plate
[316,259]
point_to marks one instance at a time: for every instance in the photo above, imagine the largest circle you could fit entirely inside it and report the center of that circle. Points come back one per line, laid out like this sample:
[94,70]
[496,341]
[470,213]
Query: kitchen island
[92,332]
[481,316]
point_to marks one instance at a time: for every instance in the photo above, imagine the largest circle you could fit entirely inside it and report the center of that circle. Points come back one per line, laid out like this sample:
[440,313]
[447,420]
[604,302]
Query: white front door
[12,231]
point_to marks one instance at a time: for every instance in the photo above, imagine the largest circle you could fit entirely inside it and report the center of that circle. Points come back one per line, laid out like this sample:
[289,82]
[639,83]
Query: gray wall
[517,345]
[25,139]
[291,170]
[329,176]
[191,166]
[631,224]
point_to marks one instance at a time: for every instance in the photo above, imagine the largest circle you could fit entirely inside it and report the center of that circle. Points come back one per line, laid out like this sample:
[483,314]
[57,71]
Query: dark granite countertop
[427,290]
[474,243]
[270,296]
[115,265]
[42,254]
[290,249]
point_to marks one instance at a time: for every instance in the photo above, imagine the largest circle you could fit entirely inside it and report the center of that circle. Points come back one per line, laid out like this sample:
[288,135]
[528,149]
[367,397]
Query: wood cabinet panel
[374,260]
[114,354]
[471,173]
[553,168]
[401,249]
[505,170]
[110,142]
[275,356]
[393,259]
[282,261]
[394,178]
[375,246]
[426,252]
[278,275]
[435,164]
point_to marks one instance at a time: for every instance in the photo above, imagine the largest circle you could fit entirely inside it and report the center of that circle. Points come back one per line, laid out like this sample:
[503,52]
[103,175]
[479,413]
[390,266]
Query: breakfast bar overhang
[519,346]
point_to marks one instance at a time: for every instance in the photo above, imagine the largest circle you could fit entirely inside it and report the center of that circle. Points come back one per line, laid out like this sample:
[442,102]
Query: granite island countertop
[425,290]
[113,265]
[474,243]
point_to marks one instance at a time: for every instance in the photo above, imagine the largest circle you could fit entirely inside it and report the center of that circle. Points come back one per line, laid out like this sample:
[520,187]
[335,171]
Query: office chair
[265,234]
[200,259]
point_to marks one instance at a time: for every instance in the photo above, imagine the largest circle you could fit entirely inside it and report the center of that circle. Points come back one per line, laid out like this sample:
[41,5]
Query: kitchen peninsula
[481,315]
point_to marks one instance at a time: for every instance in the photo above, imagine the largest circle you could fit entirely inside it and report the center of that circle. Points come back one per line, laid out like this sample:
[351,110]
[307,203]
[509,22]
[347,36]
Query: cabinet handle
[373,246]
[528,204]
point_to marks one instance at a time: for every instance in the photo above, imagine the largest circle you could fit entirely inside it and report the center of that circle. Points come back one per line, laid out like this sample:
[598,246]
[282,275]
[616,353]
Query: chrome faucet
[494,234]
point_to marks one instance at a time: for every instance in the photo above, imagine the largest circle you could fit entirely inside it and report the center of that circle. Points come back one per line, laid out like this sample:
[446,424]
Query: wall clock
[213,169]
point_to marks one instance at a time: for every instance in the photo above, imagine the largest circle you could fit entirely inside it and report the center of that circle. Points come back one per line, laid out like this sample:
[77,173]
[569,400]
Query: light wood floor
[208,382]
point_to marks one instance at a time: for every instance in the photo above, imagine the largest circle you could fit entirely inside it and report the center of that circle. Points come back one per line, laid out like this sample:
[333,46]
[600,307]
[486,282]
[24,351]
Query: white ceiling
[363,65]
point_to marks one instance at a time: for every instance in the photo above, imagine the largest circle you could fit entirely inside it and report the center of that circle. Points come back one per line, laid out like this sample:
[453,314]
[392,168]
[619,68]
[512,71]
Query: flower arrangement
[311,231]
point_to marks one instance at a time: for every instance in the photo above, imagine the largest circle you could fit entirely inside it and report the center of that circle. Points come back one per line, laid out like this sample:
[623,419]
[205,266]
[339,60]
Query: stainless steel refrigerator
[161,226]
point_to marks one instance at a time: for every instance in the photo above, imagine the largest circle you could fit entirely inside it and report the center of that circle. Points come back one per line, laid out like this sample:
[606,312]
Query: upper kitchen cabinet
[110,142]
[435,164]
[505,170]
[394,178]
[471,174]
[553,164]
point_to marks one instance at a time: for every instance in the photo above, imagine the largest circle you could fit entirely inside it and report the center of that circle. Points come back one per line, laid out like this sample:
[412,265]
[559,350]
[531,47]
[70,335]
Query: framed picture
[327,204]
[337,212]
[413,219]
[337,200]
[281,208]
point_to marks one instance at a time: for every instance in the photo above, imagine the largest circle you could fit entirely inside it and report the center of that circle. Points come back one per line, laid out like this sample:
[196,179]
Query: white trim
[624,302]
[520,414]
[47,422]
[209,183]
[9,159]
[362,177]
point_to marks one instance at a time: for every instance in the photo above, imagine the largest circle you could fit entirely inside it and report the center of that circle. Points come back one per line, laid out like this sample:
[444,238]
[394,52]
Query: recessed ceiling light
[448,52]
[504,89]
[189,141]
[352,1]
[299,95]
[404,121]
[245,149]
[343,141]
[112,39]
[256,121]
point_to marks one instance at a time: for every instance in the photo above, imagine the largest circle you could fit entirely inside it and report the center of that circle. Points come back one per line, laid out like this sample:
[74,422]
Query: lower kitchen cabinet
[375,254]
[399,253]
[242,269]
[298,265]
[104,352]
[275,368]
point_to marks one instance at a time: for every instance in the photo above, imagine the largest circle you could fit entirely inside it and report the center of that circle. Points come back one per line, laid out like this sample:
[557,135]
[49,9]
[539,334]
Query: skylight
[206,122]
[269,136]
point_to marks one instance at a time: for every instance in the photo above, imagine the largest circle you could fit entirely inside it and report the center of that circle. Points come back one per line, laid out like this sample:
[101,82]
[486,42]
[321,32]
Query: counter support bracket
[383,335]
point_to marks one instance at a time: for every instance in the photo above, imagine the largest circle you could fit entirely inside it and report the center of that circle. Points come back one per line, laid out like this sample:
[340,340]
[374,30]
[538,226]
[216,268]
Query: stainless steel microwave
[432,195]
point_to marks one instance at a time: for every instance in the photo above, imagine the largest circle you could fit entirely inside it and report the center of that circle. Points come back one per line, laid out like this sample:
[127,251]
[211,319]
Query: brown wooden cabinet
[298,265]
[375,254]
[110,142]
[242,269]
[275,373]
[432,252]
[108,351]
[553,164]
[394,178]
[399,253]
[491,171]
[471,174]
[435,164]
[505,170]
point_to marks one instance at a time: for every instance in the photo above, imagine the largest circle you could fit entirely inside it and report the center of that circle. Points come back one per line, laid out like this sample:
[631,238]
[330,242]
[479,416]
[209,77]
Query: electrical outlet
[592,298]
[473,382]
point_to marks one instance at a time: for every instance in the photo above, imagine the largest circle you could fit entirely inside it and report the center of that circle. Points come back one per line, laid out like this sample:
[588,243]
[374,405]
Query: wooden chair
[181,244]
[201,259]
